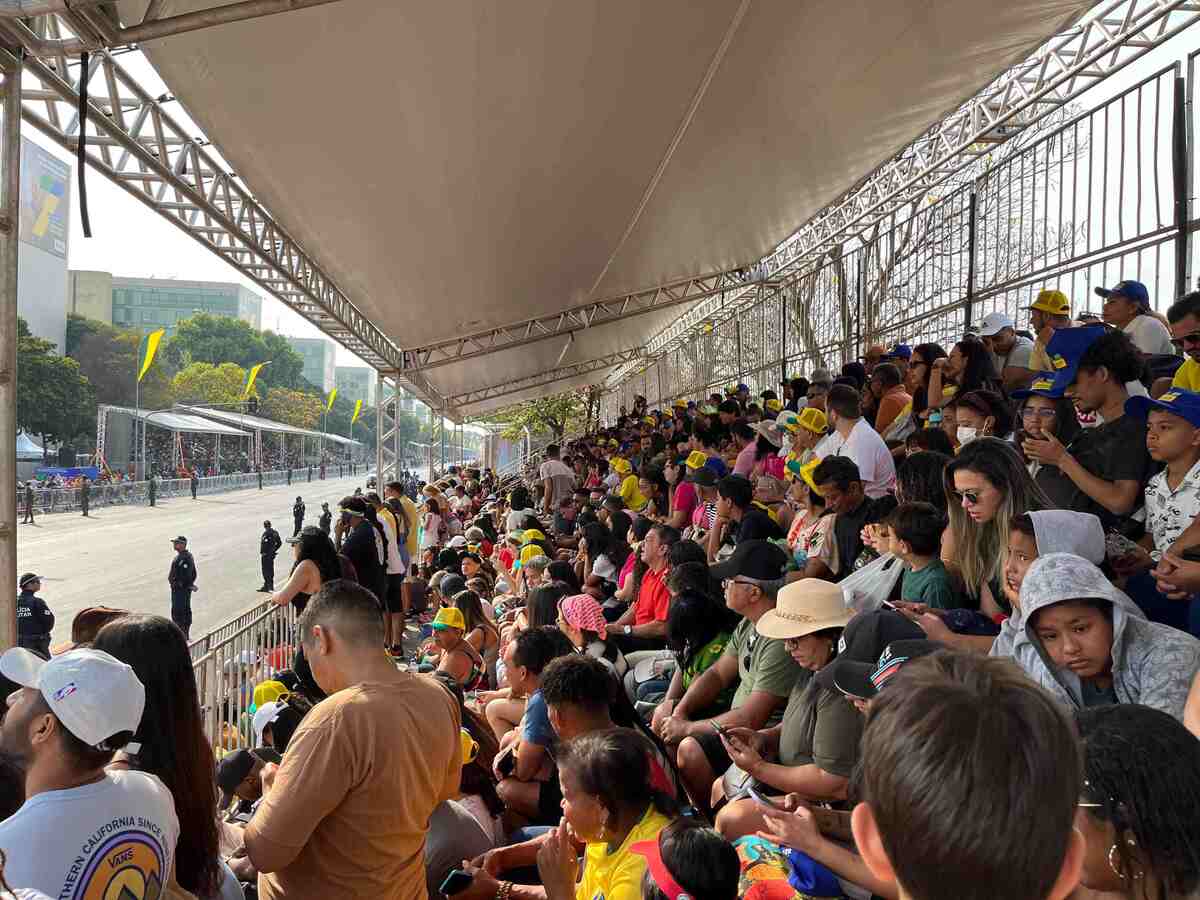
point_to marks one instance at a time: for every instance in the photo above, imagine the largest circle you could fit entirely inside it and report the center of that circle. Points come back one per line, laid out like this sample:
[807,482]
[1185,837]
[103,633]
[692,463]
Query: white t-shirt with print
[1169,513]
[1149,335]
[93,840]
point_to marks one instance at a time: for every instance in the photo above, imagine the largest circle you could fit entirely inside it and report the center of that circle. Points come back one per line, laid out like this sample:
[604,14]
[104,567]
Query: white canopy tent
[461,166]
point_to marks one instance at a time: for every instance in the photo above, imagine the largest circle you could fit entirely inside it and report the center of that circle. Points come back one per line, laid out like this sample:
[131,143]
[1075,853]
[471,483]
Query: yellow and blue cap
[1177,401]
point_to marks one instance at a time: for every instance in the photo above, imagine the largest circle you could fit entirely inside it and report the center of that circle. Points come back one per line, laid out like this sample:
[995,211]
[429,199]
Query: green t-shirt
[763,665]
[821,728]
[707,655]
[930,586]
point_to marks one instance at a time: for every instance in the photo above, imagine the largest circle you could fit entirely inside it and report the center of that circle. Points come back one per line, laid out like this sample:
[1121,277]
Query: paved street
[119,556]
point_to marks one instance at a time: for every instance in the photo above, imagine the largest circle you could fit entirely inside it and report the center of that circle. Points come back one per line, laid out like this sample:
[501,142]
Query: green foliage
[54,399]
[546,414]
[293,408]
[219,339]
[202,382]
[108,357]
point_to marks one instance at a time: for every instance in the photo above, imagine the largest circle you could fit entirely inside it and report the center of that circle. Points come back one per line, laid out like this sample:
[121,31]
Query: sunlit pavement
[120,555]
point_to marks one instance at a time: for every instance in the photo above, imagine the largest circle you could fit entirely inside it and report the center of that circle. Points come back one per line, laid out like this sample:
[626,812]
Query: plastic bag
[866,589]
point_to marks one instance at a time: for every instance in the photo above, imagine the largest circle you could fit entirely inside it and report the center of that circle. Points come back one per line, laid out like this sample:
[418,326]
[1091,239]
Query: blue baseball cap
[1066,348]
[1185,404]
[742,387]
[899,351]
[1130,290]
[1043,385]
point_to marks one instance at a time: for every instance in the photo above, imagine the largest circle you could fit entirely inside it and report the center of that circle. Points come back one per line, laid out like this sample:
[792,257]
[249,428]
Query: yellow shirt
[618,876]
[1187,376]
[414,519]
[630,494]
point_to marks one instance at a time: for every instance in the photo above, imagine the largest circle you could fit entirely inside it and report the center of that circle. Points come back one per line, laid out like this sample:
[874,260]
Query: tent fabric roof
[459,165]
[27,448]
[257,423]
[176,421]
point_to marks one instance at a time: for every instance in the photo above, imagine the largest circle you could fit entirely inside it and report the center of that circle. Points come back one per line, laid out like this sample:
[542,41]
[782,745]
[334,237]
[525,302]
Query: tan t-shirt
[361,776]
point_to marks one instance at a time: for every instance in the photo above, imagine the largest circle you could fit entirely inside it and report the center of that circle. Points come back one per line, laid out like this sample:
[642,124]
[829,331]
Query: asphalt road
[119,556]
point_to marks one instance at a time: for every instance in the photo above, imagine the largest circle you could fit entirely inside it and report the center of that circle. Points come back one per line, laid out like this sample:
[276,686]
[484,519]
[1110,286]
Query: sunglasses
[1038,413]
[970,497]
[748,659]
[726,582]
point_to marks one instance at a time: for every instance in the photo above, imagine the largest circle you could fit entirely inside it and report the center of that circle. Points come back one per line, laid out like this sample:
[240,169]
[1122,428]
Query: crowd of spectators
[926,629]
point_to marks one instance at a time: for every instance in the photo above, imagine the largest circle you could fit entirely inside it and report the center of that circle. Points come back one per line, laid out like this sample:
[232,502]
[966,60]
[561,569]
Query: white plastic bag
[866,589]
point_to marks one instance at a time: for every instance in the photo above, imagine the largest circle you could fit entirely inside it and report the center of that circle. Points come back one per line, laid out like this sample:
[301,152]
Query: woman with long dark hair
[363,542]
[316,561]
[173,745]
[480,632]
[969,367]
[1042,415]
[920,368]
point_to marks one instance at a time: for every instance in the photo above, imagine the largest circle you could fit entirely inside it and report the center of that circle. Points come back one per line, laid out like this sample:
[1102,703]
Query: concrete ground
[119,556]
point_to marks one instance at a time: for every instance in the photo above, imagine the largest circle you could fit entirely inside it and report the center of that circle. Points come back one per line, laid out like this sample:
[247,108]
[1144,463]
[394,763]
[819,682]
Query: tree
[220,339]
[54,399]
[553,414]
[202,382]
[109,356]
[292,408]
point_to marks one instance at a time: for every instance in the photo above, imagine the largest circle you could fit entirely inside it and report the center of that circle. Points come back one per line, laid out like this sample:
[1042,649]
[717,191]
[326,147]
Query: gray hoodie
[1153,664]
[1054,531]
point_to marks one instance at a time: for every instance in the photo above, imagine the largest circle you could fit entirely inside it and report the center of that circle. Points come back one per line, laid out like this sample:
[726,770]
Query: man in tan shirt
[347,812]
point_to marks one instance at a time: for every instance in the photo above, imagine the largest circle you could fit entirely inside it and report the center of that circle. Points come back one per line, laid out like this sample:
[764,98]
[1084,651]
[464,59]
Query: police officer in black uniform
[182,579]
[267,548]
[195,483]
[85,494]
[298,515]
[28,503]
[326,520]
[34,619]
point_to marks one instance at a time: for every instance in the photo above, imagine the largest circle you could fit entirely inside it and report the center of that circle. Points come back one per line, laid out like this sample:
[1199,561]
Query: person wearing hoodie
[1089,645]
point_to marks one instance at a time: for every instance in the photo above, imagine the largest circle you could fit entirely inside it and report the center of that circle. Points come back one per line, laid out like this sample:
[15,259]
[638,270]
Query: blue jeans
[1181,614]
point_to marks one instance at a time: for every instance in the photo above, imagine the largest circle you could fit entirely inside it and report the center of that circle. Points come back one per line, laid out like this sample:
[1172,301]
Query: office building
[147,304]
[318,356]
[355,383]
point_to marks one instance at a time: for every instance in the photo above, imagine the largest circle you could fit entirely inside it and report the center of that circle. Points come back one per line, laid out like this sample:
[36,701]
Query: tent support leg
[10,164]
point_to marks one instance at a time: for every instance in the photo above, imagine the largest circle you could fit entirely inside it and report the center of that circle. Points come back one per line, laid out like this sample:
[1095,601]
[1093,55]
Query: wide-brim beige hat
[804,607]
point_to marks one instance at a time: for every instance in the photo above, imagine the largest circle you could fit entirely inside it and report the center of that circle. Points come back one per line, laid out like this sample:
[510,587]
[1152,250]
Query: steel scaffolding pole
[395,429]
[10,162]
[380,440]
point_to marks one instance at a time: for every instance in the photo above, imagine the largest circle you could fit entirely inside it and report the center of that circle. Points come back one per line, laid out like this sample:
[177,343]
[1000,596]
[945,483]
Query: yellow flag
[250,381]
[152,341]
[332,396]
[357,410]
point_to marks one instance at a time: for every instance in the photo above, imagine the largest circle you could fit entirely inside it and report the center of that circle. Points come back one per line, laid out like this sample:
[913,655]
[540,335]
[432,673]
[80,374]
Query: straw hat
[804,607]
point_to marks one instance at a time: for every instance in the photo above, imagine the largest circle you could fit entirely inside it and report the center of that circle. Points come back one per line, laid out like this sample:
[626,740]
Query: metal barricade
[230,660]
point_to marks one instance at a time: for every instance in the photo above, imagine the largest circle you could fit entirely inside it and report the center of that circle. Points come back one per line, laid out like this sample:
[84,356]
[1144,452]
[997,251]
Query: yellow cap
[651,421]
[621,465]
[470,746]
[696,460]
[449,617]
[681,404]
[1053,302]
[806,472]
[774,405]
[268,692]
[532,535]
[813,419]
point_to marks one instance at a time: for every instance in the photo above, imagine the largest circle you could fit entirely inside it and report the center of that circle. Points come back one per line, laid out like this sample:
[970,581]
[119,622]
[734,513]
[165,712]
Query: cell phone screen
[759,798]
[456,882]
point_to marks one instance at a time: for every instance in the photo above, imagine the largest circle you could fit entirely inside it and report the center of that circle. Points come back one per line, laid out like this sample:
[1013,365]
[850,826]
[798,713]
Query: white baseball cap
[994,323]
[91,692]
[457,541]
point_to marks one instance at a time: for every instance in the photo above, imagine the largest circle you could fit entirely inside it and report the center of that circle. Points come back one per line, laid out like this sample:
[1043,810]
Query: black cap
[761,560]
[860,679]
[452,584]
[28,577]
[703,476]
[232,771]
[284,725]
[865,638]
[179,540]
[266,523]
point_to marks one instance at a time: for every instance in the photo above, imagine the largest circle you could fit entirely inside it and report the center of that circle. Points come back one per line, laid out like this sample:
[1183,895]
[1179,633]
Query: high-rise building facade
[318,356]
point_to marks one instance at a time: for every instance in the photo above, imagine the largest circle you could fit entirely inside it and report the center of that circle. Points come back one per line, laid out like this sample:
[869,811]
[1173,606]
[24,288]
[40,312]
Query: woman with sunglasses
[1139,811]
[986,485]
[916,378]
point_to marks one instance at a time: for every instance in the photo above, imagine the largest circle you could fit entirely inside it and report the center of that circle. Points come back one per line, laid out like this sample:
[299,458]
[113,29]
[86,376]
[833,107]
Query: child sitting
[915,535]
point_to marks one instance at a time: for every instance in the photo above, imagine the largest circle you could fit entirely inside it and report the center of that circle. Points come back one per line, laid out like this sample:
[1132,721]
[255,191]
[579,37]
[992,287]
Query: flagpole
[137,407]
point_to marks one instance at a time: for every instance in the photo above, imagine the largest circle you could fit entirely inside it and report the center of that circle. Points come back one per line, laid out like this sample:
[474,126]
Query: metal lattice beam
[1061,70]
[568,321]
[544,379]
[138,145]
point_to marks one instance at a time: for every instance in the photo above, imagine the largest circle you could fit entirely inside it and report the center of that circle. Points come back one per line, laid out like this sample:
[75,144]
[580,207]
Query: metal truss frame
[543,379]
[1062,69]
[135,142]
[568,321]
[387,431]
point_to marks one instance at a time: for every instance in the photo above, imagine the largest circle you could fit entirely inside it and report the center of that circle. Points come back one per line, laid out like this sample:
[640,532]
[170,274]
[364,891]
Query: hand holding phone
[764,801]
[456,882]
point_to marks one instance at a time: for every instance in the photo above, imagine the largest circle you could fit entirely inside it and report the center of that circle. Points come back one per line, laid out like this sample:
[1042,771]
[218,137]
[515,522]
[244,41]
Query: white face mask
[966,434]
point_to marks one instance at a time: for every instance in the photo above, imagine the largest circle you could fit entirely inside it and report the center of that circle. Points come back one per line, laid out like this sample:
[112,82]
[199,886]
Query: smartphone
[759,798]
[719,728]
[456,882]
[889,604]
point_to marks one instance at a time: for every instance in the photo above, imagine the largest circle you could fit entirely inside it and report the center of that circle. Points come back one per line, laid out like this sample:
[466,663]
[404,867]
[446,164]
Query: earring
[1112,863]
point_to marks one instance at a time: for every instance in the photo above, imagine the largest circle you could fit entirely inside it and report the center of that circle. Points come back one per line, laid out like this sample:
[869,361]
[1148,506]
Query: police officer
[85,494]
[298,515]
[28,520]
[195,483]
[326,520]
[152,488]
[267,548]
[34,619]
[182,579]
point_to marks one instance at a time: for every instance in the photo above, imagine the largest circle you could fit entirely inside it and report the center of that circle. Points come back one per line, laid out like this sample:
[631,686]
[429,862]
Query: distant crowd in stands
[927,629]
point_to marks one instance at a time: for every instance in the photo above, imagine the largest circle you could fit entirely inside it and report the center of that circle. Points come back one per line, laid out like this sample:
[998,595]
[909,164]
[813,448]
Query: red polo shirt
[653,598]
